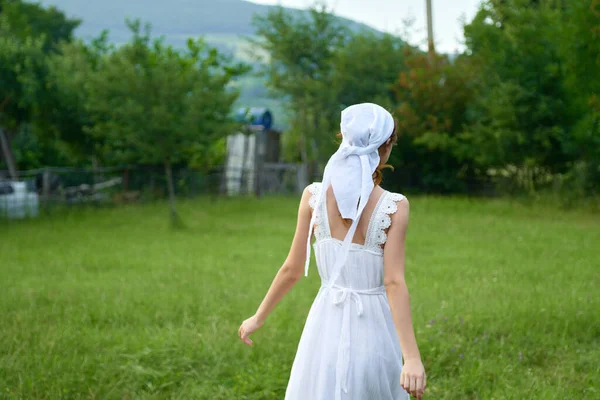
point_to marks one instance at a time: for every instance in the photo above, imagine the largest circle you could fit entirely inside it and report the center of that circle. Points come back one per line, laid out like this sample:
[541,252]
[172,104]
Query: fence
[51,188]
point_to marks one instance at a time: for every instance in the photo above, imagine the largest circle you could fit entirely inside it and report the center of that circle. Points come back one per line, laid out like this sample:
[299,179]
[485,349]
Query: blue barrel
[255,116]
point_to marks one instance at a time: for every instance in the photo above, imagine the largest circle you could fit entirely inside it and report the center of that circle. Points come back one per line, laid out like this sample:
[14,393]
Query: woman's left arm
[287,276]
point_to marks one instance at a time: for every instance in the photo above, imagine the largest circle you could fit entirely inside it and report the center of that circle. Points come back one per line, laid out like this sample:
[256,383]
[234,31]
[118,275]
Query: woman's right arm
[413,378]
[287,276]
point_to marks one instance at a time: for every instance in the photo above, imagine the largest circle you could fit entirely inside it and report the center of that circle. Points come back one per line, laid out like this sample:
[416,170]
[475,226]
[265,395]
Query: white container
[19,203]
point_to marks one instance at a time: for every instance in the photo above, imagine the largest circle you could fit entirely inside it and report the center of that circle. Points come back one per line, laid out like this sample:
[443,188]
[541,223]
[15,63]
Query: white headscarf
[364,127]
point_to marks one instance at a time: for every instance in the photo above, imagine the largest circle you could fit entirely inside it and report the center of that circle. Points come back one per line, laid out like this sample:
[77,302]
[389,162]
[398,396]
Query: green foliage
[581,34]
[28,33]
[521,104]
[110,303]
[152,103]
[21,65]
[64,114]
[366,67]
[522,100]
[433,97]
[33,151]
[29,19]
[322,67]
[302,52]
[536,105]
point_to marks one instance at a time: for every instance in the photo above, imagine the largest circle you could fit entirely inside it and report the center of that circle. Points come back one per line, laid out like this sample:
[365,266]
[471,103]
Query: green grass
[112,304]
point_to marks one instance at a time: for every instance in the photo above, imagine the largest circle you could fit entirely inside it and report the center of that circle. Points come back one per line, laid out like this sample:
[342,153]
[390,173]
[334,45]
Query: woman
[359,326]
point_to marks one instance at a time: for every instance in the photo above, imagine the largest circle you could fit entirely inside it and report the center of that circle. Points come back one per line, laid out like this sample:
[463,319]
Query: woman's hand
[413,378]
[248,327]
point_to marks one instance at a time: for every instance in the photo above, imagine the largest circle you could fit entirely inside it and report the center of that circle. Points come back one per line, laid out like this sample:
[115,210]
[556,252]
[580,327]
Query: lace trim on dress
[321,230]
[314,189]
[379,223]
[377,236]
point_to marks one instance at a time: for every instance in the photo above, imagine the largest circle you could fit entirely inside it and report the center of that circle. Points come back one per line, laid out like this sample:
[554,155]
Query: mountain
[222,22]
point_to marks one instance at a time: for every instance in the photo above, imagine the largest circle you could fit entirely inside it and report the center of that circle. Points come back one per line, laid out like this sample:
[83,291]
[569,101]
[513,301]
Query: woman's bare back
[339,227]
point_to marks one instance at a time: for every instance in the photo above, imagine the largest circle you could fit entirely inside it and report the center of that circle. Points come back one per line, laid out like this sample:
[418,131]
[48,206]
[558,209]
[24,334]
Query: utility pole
[430,44]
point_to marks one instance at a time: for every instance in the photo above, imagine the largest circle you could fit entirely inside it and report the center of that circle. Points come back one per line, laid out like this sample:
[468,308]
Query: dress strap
[321,223]
[381,220]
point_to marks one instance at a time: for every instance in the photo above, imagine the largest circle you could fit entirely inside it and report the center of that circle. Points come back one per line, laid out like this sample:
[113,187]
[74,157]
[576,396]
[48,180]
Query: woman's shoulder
[393,196]
[311,193]
[392,202]
[396,197]
[312,188]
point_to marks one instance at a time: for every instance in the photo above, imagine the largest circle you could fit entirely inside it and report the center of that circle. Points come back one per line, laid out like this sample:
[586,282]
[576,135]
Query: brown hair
[378,174]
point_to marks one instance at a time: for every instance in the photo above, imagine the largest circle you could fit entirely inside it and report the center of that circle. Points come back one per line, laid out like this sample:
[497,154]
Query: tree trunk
[171,188]
[304,147]
[7,154]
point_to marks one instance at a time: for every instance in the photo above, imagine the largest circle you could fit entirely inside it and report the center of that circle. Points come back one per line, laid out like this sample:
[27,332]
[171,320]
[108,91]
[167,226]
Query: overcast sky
[387,15]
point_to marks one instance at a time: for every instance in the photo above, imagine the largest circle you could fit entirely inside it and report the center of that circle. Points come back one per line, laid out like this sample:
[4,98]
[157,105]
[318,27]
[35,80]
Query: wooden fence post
[301,177]
[46,187]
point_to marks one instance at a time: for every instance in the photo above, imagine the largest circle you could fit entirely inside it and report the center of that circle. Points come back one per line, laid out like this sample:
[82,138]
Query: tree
[32,20]
[21,63]
[156,105]
[522,114]
[580,50]
[63,114]
[300,66]
[366,68]
[433,97]
[28,32]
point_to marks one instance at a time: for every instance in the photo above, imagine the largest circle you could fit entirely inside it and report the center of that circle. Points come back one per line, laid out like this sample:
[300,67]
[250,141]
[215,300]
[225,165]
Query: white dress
[349,349]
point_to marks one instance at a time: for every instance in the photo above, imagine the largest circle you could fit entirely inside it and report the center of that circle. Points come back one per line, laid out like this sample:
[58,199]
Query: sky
[388,16]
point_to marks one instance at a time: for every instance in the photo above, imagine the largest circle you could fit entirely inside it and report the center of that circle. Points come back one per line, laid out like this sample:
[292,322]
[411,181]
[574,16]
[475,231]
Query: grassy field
[112,304]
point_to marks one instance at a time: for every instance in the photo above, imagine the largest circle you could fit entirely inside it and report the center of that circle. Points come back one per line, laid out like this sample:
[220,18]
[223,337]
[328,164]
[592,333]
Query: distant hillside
[224,24]
[177,20]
